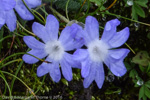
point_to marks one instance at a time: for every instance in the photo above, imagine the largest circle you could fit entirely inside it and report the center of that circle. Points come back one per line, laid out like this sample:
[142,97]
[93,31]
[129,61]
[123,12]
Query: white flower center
[54,49]
[98,50]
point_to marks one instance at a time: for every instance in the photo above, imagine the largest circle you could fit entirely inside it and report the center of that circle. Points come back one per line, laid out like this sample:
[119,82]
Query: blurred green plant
[137,8]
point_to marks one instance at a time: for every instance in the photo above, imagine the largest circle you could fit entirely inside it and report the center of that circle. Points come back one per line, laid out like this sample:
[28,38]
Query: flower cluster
[7,14]
[90,60]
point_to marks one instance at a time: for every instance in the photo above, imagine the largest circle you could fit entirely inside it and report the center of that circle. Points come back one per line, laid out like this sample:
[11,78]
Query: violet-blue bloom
[101,50]
[7,14]
[52,48]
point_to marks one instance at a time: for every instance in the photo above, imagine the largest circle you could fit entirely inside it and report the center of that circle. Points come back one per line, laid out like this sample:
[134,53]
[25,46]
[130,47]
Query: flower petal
[33,43]
[100,77]
[117,54]
[66,69]
[23,11]
[119,38]
[89,79]
[118,68]
[110,29]
[2,18]
[80,54]
[7,4]
[86,38]
[85,69]
[41,69]
[92,27]
[69,58]
[44,68]
[55,71]
[41,32]
[37,53]
[68,37]
[33,3]
[52,27]
[11,20]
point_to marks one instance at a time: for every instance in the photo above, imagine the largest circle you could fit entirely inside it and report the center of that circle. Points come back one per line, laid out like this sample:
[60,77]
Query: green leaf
[144,97]
[142,3]
[148,69]
[145,1]
[142,58]
[128,66]
[139,10]
[143,69]
[147,92]
[64,81]
[141,92]
[98,2]
[73,5]
[133,73]
[147,84]
[148,35]
[134,15]
[93,98]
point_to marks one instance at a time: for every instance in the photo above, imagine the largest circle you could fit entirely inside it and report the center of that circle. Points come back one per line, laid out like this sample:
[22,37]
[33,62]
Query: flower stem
[125,18]
[25,29]
[39,15]
[130,48]
[7,85]
[59,15]
[67,9]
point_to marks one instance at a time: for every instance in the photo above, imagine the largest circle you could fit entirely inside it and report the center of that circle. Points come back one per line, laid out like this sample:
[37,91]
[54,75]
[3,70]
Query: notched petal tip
[126,30]
[119,38]
[100,84]
[116,21]
[108,26]
[91,19]
[92,27]
[87,82]
[111,23]
[51,18]
[92,24]
[52,27]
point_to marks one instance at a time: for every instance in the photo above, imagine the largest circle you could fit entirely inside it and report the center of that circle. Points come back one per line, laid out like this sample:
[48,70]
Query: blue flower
[7,14]
[52,48]
[101,50]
